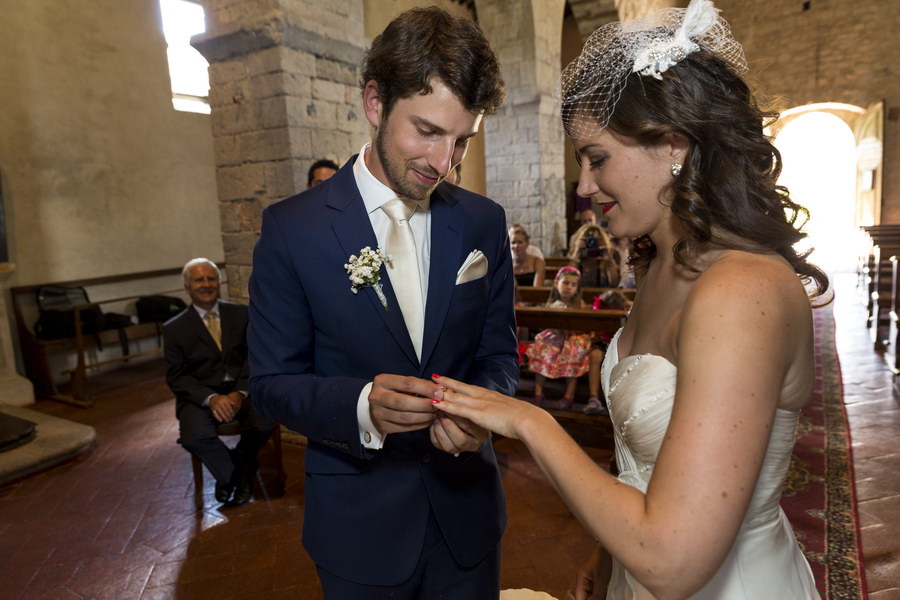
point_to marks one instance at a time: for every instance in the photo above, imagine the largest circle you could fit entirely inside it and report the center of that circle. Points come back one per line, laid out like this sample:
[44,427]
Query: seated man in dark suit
[206,367]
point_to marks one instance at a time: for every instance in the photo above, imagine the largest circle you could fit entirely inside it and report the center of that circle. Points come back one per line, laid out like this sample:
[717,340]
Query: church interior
[111,179]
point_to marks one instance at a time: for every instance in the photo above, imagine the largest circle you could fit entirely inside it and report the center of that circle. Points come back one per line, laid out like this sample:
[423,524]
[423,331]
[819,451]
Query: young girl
[556,353]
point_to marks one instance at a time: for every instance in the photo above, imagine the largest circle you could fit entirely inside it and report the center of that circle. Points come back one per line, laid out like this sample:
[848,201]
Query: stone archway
[524,141]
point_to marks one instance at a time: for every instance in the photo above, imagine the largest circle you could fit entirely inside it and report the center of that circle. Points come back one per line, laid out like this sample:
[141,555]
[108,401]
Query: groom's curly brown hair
[424,43]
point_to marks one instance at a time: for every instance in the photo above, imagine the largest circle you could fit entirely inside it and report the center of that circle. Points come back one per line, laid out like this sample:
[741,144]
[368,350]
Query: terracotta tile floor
[119,522]
[874,415]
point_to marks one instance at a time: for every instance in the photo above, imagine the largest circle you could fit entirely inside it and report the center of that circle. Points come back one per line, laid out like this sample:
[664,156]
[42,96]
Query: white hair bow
[663,53]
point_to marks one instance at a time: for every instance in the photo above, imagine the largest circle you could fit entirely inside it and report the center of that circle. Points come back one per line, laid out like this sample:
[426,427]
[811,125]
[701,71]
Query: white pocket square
[475,266]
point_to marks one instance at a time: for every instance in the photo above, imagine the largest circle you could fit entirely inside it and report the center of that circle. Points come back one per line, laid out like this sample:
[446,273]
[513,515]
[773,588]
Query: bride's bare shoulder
[750,288]
[735,271]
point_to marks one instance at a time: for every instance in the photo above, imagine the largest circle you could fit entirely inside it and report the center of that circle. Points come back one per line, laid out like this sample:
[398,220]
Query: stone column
[283,93]
[14,389]
[524,142]
[591,14]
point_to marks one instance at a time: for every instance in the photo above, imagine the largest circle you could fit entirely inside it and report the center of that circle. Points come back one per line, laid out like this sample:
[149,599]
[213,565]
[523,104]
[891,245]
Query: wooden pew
[891,354]
[36,352]
[557,262]
[588,430]
[539,295]
[884,243]
[572,319]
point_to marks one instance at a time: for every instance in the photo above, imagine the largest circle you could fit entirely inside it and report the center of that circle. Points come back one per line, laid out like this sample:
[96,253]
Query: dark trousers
[436,577]
[198,436]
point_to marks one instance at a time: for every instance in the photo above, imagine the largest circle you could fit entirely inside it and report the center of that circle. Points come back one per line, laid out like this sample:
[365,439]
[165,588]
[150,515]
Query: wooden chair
[234,428]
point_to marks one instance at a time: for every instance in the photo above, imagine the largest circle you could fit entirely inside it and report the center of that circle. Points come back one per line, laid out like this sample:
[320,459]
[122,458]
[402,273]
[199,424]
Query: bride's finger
[446,393]
[455,385]
[450,402]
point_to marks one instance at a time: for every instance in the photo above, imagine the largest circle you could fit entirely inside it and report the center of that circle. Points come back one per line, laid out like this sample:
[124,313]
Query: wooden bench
[36,352]
[571,319]
[539,295]
[892,354]
[588,430]
[552,265]
[884,243]
[557,261]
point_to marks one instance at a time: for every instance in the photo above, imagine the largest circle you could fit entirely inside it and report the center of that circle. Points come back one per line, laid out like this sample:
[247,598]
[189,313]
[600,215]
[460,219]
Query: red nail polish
[434,375]
[435,401]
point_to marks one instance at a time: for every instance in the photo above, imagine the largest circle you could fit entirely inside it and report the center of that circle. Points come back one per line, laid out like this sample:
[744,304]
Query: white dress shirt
[374,194]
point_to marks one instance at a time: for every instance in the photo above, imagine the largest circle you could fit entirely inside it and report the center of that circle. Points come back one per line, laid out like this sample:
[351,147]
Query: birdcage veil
[592,84]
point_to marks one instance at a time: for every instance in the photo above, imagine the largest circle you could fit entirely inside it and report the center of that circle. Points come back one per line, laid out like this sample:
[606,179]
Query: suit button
[367,437]
[426,457]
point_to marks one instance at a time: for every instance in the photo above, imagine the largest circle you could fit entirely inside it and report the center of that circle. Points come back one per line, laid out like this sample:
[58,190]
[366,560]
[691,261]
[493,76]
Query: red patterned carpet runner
[819,495]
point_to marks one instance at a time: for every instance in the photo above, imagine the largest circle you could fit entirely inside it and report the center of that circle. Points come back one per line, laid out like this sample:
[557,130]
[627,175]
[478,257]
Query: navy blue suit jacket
[314,345]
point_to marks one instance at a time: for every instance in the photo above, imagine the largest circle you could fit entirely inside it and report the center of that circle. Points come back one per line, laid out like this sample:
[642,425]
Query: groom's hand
[457,434]
[398,403]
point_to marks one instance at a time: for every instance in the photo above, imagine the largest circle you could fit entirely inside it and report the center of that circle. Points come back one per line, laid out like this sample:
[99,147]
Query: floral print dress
[557,353]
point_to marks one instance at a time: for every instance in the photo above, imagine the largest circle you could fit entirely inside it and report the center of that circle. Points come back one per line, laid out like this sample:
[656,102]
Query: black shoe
[243,492]
[223,492]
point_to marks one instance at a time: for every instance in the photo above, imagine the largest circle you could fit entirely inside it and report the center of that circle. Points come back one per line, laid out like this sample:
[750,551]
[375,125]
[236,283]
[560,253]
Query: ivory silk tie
[214,327]
[404,268]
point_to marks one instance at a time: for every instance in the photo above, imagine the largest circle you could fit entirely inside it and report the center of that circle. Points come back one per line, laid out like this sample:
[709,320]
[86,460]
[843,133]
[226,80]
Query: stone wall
[524,141]
[283,94]
[837,51]
[100,174]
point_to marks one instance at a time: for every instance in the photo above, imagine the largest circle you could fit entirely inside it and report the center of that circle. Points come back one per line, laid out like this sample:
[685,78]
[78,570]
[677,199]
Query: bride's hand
[491,410]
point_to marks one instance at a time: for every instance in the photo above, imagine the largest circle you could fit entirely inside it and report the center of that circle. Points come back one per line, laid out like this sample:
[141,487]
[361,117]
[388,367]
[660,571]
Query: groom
[399,502]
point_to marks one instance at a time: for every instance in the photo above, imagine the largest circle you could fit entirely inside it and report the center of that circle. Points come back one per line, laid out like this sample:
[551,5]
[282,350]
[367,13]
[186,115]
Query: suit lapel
[354,232]
[446,246]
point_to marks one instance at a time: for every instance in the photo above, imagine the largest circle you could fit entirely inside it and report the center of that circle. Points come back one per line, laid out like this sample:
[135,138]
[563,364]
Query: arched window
[187,68]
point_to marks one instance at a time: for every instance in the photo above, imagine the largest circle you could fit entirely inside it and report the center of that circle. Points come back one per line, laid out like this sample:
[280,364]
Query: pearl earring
[676,169]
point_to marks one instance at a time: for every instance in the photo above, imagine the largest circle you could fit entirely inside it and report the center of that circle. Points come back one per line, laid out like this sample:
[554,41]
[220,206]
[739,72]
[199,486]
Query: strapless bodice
[640,391]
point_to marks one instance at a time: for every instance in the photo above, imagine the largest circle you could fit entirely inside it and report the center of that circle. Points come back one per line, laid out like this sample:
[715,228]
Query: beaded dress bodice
[765,559]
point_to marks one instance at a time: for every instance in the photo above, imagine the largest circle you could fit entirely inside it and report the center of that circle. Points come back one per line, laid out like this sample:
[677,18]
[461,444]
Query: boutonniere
[365,271]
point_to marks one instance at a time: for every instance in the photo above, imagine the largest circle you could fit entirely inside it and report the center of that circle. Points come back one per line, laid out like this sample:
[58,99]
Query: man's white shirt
[374,194]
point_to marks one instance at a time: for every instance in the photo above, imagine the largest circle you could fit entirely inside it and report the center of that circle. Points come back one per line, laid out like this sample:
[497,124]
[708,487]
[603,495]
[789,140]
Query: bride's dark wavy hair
[727,192]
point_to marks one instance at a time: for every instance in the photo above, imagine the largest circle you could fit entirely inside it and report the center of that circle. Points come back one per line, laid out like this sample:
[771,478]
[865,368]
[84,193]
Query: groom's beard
[398,170]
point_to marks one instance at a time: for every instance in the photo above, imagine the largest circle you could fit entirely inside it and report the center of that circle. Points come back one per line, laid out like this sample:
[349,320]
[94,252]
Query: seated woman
[532,249]
[593,255]
[527,267]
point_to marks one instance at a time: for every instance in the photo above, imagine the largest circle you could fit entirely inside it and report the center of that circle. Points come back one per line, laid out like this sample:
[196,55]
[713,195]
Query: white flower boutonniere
[365,271]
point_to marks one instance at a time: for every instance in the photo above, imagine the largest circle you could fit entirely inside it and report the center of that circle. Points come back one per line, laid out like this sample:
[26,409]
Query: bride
[706,379]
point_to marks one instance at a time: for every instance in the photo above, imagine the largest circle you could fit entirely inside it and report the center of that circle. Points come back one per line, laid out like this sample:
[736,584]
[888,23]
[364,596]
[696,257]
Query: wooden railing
[36,352]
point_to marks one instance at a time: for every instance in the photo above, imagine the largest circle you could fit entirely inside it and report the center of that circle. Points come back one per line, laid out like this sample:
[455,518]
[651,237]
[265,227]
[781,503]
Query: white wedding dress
[765,561]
